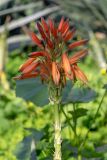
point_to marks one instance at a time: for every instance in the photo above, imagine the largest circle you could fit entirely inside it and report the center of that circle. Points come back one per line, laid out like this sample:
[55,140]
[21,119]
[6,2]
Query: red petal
[45,25]
[66,63]
[65,25]
[35,39]
[25,76]
[30,68]
[27,63]
[50,43]
[69,35]
[55,73]
[61,24]
[37,54]
[80,75]
[78,43]
[65,31]
[78,56]
[51,24]
[41,31]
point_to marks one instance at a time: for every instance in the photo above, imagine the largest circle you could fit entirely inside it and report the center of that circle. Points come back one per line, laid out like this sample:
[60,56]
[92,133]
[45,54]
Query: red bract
[52,62]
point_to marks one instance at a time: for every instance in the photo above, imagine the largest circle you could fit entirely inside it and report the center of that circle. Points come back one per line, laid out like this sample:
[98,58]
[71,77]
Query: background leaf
[26,149]
[73,95]
[78,113]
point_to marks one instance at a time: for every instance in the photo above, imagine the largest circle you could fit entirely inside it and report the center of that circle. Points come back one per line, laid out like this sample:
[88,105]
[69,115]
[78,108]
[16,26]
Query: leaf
[32,90]
[26,148]
[93,154]
[105,86]
[77,95]
[78,112]
[37,135]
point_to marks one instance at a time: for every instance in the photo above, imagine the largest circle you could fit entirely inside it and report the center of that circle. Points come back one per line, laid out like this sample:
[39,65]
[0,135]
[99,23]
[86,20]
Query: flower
[52,62]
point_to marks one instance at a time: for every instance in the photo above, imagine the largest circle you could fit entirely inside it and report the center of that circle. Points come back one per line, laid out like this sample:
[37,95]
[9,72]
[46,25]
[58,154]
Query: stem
[67,118]
[99,106]
[75,121]
[57,139]
[79,157]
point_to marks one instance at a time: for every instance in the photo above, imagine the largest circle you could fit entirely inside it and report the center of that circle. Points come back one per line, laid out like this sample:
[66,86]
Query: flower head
[52,62]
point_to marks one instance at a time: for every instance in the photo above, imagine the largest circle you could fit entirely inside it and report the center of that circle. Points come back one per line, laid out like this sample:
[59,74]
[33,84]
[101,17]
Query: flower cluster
[52,62]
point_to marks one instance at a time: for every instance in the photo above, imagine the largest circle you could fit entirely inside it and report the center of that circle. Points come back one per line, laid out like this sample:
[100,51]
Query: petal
[30,68]
[50,43]
[78,56]
[61,24]
[45,25]
[37,54]
[55,73]
[65,31]
[65,26]
[27,63]
[35,39]
[69,35]
[66,63]
[41,31]
[80,75]
[51,25]
[78,43]
[25,76]
[44,73]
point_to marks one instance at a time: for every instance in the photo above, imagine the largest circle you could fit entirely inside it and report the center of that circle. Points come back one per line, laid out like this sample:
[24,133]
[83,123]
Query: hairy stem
[57,138]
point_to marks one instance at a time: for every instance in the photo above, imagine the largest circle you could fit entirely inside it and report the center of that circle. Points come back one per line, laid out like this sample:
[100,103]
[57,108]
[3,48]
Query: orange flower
[55,73]
[52,62]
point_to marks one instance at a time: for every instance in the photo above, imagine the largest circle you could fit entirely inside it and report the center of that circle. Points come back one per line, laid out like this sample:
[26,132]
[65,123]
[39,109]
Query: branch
[20,8]
[23,21]
[3,2]
[15,42]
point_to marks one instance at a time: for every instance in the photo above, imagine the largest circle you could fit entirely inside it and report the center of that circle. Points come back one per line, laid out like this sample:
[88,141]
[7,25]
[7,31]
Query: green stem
[79,157]
[57,139]
[67,118]
[75,122]
[96,114]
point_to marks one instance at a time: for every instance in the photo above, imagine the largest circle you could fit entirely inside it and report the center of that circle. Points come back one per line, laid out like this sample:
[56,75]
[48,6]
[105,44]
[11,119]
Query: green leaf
[78,112]
[105,86]
[77,95]
[26,150]
[92,154]
[32,90]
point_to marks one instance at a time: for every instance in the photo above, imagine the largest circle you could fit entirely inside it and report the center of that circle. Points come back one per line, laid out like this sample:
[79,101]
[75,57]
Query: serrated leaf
[78,112]
[77,95]
[32,90]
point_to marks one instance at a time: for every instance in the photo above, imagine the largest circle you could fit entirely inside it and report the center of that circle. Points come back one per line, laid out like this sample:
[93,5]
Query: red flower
[52,62]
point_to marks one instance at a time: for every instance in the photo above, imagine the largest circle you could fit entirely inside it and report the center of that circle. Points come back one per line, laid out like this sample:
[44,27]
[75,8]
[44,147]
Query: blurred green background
[17,117]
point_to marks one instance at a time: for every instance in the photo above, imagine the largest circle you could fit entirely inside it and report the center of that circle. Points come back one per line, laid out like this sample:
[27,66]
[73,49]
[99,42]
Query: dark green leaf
[32,90]
[80,95]
[79,112]
[25,149]
[37,135]
[92,154]
[105,86]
